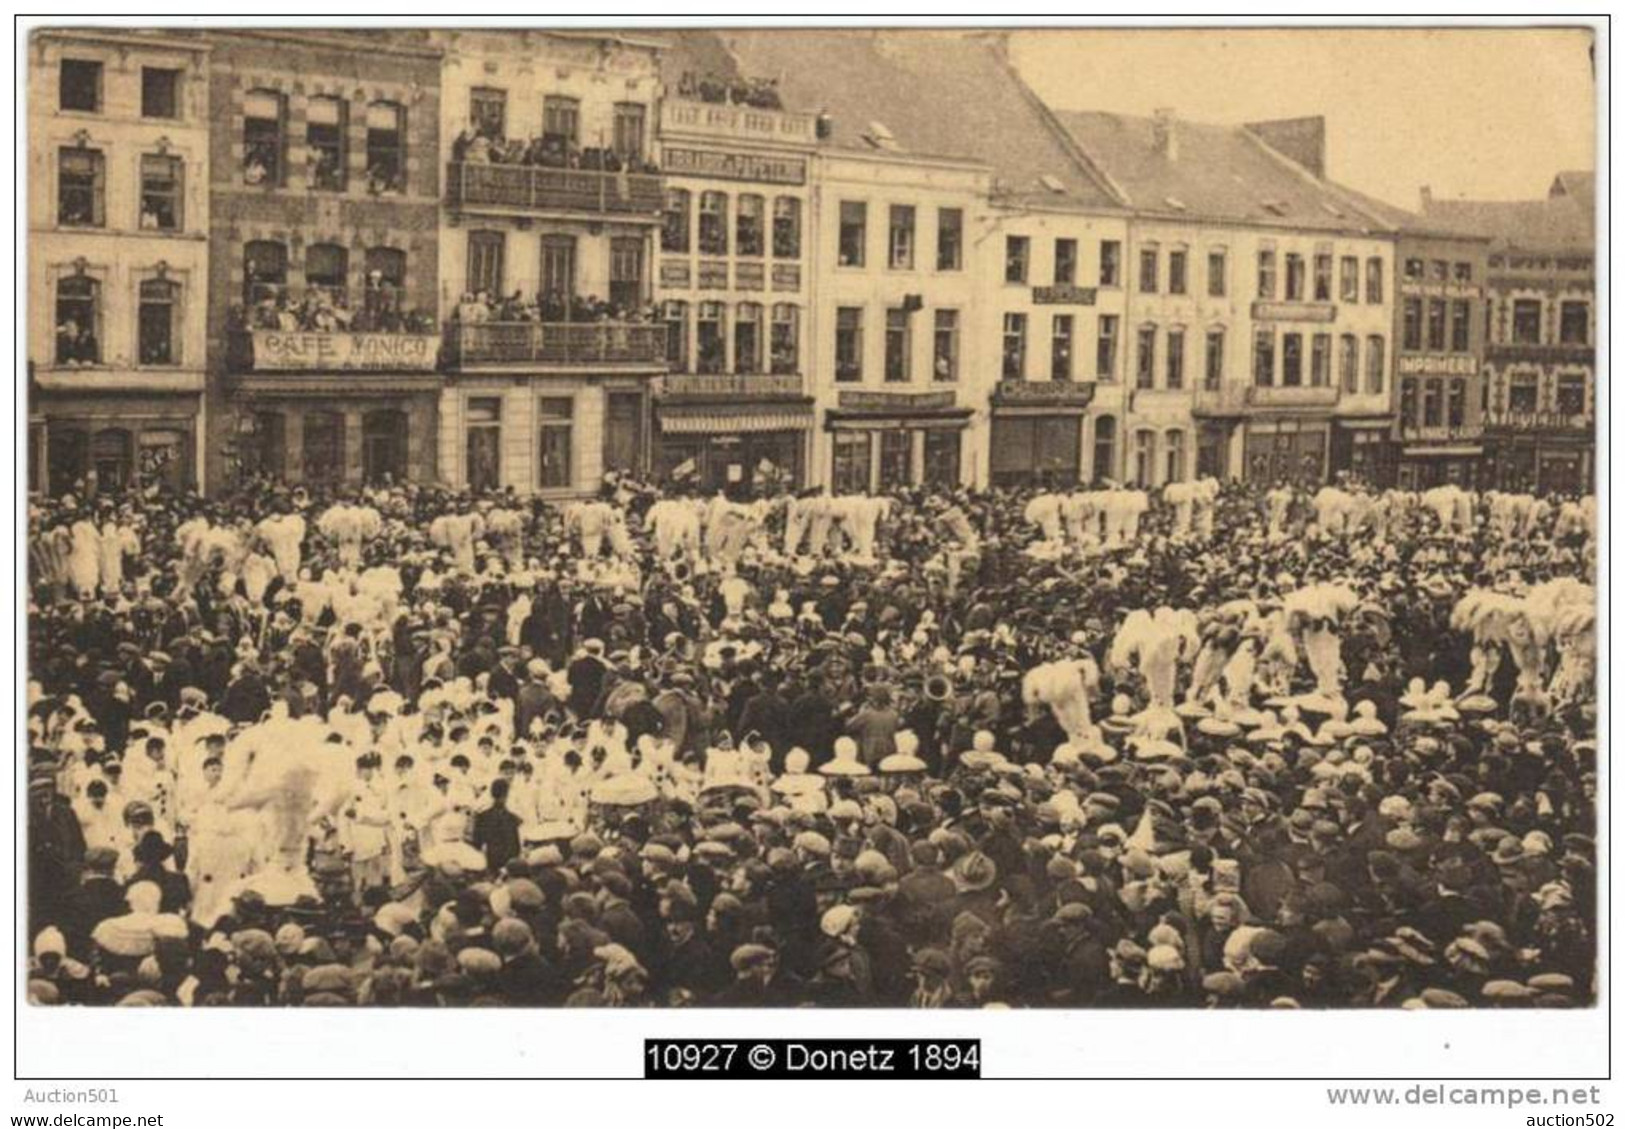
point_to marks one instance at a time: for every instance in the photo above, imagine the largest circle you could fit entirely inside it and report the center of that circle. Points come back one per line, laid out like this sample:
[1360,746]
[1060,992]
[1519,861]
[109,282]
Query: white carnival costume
[1156,642]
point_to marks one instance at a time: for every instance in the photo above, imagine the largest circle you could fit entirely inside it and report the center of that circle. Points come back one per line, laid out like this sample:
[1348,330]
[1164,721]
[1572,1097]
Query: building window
[1320,361]
[1323,278]
[849,343]
[1213,374]
[1291,360]
[896,459]
[629,132]
[161,193]
[1464,272]
[675,315]
[1376,368]
[557,420]
[1432,404]
[1148,270]
[1571,394]
[1217,269]
[1412,327]
[1407,402]
[264,112]
[78,317]
[1348,279]
[1266,275]
[1106,349]
[1173,456]
[1264,358]
[1145,458]
[945,347]
[485,255]
[386,148]
[1436,324]
[897,347]
[786,339]
[80,86]
[900,238]
[1348,363]
[1015,347]
[712,347]
[1105,462]
[713,223]
[1440,270]
[561,122]
[750,236]
[1176,272]
[942,458]
[483,432]
[488,112]
[80,188]
[852,454]
[558,281]
[748,338]
[1526,321]
[385,285]
[1176,358]
[1111,262]
[674,221]
[1373,281]
[1456,406]
[1066,262]
[1573,325]
[1017,250]
[626,274]
[265,272]
[1294,278]
[157,335]
[1523,393]
[854,232]
[1060,347]
[327,269]
[786,228]
[1461,317]
[950,239]
[326,132]
[1145,358]
[160,92]
[1415,270]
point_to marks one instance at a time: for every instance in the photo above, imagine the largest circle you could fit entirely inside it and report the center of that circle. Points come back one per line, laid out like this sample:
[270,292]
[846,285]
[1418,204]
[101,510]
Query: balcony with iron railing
[733,122]
[637,345]
[328,329]
[541,188]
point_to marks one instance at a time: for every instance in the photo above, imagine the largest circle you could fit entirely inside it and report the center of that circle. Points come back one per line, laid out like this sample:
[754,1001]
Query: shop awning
[1456,450]
[713,420]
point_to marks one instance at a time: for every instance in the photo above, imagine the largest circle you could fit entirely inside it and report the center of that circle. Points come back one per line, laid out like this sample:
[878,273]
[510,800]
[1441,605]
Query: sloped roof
[935,93]
[1217,172]
[1579,184]
[1559,223]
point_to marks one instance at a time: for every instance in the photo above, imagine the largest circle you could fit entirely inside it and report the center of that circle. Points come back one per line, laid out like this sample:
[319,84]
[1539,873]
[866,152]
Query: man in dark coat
[767,713]
[496,829]
[150,855]
[247,698]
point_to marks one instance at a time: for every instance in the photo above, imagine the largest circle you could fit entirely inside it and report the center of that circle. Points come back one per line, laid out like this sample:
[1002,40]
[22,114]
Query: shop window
[849,343]
[160,92]
[111,459]
[384,446]
[1017,252]
[896,459]
[748,232]
[79,86]
[786,360]
[674,221]
[748,338]
[327,137]
[1015,347]
[78,321]
[1105,457]
[483,447]
[386,148]
[900,238]
[713,223]
[1066,262]
[852,455]
[557,416]
[942,457]
[854,232]
[264,137]
[950,239]
[1060,347]
[324,447]
[268,452]
[158,323]
[712,346]
[81,188]
[161,192]
[786,227]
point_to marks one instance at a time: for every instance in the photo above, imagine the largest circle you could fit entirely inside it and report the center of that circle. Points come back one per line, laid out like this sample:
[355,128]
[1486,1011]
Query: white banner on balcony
[344,352]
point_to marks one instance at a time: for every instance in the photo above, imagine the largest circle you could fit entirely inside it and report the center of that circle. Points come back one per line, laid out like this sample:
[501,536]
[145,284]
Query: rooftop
[1564,221]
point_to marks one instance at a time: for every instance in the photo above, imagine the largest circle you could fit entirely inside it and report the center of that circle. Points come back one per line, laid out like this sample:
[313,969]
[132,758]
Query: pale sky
[1487,113]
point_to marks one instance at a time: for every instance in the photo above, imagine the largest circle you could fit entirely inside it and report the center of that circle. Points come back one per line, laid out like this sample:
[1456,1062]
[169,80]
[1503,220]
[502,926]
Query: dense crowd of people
[485,145]
[478,307]
[324,309]
[411,746]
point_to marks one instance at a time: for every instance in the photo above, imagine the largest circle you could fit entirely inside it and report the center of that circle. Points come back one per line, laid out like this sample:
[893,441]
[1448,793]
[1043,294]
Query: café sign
[275,351]
[895,401]
[1064,295]
[723,165]
[1438,366]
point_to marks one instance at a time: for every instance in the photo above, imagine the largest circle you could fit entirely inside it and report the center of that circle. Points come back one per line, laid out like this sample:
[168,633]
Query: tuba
[937,688]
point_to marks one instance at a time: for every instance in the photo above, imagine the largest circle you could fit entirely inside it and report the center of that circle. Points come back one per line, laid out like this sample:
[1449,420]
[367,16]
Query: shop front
[1363,451]
[92,445]
[1291,449]
[882,441]
[1037,432]
[745,434]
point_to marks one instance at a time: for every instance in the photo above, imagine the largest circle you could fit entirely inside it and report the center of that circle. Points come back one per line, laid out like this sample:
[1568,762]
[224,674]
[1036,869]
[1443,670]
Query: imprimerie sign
[1458,365]
[344,352]
[723,165]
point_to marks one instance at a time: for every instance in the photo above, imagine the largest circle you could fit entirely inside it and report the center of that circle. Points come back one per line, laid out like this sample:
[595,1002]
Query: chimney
[1163,138]
[1299,139]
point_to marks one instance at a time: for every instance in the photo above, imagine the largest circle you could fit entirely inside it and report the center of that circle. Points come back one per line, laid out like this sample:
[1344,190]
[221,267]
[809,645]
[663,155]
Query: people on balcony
[551,151]
[761,93]
[321,309]
[554,306]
